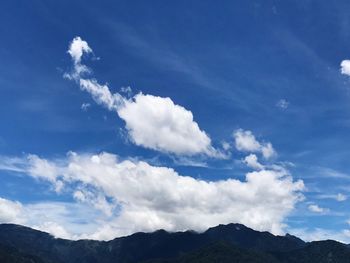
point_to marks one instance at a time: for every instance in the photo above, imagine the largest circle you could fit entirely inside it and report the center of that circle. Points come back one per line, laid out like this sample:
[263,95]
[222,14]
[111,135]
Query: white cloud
[64,220]
[95,199]
[252,161]
[345,67]
[245,141]
[9,211]
[157,123]
[149,197]
[77,49]
[54,229]
[340,197]
[316,209]
[101,94]
[152,122]
[282,104]
[267,150]
[42,169]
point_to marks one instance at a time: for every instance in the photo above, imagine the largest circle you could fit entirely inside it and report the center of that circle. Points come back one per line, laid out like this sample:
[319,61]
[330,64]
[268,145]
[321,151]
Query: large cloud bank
[135,196]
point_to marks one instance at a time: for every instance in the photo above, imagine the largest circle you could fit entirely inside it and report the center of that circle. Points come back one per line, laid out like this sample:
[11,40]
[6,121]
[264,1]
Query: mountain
[223,243]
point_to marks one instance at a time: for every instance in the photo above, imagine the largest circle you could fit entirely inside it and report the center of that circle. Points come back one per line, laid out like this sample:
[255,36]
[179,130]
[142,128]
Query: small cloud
[245,141]
[85,106]
[345,67]
[226,146]
[252,162]
[340,197]
[282,104]
[316,209]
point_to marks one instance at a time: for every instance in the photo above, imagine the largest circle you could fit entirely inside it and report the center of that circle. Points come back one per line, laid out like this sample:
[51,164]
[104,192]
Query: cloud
[145,198]
[316,209]
[245,141]
[54,229]
[338,197]
[85,106]
[157,123]
[282,104]
[77,48]
[321,234]
[152,122]
[345,67]
[252,161]
[42,169]
[9,211]
[64,220]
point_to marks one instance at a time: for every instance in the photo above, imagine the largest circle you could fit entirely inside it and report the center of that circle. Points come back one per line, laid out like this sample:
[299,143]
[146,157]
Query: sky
[126,116]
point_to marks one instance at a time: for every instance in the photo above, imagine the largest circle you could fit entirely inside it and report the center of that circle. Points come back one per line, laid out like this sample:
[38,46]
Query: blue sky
[255,76]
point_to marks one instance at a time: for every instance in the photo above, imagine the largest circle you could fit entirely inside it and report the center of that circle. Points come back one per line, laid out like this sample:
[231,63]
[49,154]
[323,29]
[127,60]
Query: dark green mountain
[224,243]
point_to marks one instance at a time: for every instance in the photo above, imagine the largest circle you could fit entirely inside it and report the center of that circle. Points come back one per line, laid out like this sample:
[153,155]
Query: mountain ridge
[222,242]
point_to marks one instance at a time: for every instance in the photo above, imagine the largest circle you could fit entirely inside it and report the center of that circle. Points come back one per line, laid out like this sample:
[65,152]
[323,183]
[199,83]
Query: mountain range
[224,243]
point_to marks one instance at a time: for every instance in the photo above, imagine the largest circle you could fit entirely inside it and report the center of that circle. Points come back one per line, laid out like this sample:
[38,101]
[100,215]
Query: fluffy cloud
[345,67]
[157,123]
[245,141]
[252,161]
[9,211]
[77,49]
[152,122]
[54,229]
[141,197]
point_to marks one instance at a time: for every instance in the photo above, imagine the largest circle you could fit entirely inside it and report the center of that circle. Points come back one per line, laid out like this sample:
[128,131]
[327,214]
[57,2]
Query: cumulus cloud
[252,161]
[245,141]
[345,67]
[54,229]
[152,122]
[157,123]
[77,49]
[10,211]
[145,197]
